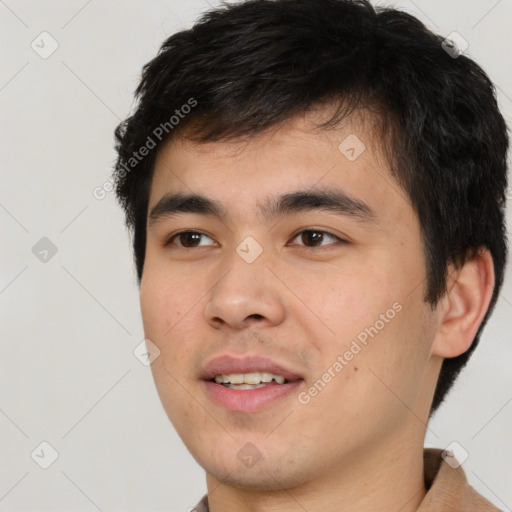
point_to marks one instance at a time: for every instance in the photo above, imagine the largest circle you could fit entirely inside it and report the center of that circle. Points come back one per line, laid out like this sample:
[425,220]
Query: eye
[315,237]
[310,238]
[188,239]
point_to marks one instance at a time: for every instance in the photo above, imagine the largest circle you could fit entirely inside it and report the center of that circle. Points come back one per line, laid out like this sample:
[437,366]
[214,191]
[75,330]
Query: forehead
[244,174]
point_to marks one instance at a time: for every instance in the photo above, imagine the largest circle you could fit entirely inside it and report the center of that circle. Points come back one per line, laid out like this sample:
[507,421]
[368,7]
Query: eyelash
[308,230]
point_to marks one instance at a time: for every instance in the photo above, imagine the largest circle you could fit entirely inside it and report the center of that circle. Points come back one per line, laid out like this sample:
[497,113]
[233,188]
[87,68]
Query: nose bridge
[247,262]
[245,294]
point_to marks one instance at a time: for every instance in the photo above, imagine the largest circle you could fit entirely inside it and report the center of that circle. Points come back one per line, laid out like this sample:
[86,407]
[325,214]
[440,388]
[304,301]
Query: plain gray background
[69,325]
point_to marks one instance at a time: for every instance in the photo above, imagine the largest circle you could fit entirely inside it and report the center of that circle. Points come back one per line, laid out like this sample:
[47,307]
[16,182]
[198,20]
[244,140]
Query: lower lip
[249,400]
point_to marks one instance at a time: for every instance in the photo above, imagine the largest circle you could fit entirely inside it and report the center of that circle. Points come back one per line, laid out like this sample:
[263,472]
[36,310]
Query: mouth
[248,384]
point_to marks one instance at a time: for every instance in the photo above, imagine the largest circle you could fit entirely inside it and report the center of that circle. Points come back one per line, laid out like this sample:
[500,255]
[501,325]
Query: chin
[251,479]
[267,474]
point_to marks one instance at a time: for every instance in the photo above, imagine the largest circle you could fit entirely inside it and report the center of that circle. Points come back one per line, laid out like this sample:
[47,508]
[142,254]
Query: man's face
[333,296]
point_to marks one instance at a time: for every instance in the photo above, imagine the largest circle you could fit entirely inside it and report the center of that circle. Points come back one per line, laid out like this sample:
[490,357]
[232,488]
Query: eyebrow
[328,200]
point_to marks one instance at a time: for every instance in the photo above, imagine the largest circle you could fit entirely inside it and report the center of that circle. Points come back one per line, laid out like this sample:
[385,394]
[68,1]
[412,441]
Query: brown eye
[188,239]
[315,237]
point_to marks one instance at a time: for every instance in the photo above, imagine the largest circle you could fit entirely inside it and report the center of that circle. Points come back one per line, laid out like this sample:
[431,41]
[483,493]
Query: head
[260,108]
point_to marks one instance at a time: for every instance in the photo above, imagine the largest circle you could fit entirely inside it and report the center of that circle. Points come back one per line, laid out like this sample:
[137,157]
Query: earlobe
[463,307]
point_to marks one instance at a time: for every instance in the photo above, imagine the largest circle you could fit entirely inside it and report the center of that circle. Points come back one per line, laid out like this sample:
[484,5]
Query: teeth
[242,387]
[248,378]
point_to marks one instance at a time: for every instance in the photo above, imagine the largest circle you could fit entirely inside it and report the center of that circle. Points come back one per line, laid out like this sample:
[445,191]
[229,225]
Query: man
[316,192]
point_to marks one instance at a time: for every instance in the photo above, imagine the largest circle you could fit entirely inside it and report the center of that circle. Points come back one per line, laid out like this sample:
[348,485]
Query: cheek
[172,314]
[376,324]
[397,356]
[165,313]
[348,301]
[374,383]
[165,299]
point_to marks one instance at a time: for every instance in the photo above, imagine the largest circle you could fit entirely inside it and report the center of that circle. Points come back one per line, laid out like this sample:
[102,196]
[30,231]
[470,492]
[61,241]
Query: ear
[463,307]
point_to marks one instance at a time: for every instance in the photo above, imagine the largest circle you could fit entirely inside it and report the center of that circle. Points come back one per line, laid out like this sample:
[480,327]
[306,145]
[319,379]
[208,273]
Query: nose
[247,295]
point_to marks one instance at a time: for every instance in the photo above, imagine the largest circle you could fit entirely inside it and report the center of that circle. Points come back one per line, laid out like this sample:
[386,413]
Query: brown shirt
[447,488]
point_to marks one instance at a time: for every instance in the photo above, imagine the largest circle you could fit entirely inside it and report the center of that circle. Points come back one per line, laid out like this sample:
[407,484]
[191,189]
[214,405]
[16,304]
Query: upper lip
[227,364]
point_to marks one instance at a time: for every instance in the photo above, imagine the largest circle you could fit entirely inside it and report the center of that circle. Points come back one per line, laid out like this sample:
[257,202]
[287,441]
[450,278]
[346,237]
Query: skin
[357,444]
